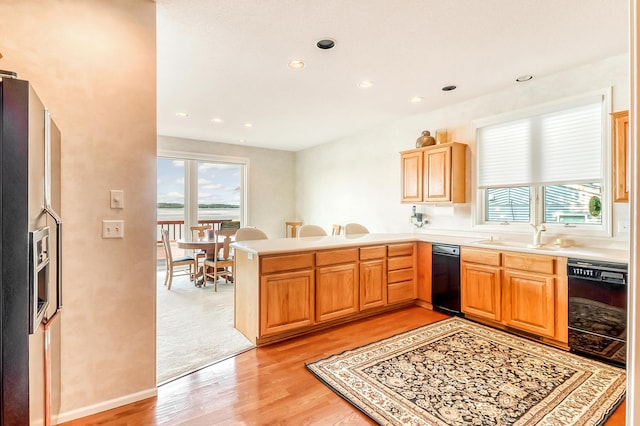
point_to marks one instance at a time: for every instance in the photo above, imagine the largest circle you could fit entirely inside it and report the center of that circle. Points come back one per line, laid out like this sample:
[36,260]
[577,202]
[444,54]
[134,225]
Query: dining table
[211,244]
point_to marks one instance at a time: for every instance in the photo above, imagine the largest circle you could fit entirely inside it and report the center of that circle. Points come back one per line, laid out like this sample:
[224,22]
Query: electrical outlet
[623,226]
[113,229]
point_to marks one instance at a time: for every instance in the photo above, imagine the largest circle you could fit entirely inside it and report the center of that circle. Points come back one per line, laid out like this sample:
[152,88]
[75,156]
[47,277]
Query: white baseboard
[104,406]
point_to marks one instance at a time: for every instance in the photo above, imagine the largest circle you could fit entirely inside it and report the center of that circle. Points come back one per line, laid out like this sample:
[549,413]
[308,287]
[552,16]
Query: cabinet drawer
[376,252]
[334,257]
[400,292]
[484,257]
[288,262]
[395,263]
[400,249]
[400,275]
[529,262]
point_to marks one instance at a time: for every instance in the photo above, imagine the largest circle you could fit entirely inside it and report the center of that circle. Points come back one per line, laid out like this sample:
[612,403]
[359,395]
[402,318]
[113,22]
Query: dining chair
[221,265]
[199,232]
[355,228]
[291,228]
[311,231]
[336,229]
[174,262]
[250,234]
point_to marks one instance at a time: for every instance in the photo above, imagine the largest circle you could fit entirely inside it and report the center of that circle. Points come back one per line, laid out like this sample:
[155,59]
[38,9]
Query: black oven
[598,309]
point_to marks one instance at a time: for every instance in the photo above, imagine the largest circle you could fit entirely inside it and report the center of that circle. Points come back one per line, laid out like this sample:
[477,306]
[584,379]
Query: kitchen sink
[515,244]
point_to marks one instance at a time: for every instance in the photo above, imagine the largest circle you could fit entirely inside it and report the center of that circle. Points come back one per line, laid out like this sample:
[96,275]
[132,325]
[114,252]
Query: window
[199,189]
[545,165]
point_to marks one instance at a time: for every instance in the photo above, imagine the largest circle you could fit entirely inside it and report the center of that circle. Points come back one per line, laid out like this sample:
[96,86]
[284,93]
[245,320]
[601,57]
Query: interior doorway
[194,325]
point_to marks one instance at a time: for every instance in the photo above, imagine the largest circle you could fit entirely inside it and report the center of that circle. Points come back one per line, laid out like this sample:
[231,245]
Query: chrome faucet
[536,234]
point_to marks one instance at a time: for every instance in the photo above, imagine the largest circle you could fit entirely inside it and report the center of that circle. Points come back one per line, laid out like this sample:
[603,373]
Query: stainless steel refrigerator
[30,252]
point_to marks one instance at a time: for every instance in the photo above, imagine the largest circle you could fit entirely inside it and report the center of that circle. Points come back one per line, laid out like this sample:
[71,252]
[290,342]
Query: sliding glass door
[196,189]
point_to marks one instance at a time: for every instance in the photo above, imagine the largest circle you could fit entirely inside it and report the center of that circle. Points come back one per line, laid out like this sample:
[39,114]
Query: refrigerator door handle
[58,221]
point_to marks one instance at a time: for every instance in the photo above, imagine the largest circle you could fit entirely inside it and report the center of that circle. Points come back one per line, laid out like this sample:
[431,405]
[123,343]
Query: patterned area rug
[455,372]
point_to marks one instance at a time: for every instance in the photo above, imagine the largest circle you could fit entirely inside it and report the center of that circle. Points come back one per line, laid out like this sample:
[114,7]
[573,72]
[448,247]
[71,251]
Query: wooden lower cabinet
[286,301]
[529,302]
[480,291]
[401,273]
[522,291]
[336,291]
[373,284]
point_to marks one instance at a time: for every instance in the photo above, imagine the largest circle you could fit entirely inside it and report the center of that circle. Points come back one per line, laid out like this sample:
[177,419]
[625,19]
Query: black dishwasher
[445,278]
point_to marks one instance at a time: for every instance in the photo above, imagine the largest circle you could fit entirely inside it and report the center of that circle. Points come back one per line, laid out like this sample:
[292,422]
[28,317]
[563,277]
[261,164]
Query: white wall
[93,64]
[358,178]
[271,179]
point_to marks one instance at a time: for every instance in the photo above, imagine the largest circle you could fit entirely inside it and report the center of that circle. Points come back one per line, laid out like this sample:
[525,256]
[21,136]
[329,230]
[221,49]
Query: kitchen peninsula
[288,287]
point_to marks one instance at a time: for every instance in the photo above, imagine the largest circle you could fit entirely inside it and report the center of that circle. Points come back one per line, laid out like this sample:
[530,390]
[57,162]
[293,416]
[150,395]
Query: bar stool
[291,229]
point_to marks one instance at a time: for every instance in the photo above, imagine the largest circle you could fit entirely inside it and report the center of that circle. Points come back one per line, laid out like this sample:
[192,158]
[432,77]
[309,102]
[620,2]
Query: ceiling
[228,59]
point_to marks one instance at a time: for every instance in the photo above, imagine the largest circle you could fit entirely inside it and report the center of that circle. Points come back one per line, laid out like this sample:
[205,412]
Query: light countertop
[287,245]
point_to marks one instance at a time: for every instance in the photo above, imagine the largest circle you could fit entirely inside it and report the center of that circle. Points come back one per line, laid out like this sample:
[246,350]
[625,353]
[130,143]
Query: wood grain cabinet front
[337,288]
[523,291]
[373,277]
[435,174]
[286,301]
[401,272]
[480,290]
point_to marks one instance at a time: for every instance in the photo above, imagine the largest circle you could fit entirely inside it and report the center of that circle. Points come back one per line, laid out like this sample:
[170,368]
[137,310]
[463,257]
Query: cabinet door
[336,291]
[480,290]
[411,165]
[424,272]
[437,179]
[286,301]
[529,302]
[373,284]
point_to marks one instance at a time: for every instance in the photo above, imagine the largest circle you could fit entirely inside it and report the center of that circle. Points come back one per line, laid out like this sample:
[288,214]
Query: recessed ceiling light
[296,65]
[365,84]
[182,114]
[416,99]
[524,78]
[243,140]
[248,125]
[326,44]
[216,120]
[449,88]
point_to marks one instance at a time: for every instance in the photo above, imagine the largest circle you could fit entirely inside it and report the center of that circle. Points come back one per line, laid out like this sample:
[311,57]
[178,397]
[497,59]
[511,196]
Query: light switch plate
[113,229]
[117,199]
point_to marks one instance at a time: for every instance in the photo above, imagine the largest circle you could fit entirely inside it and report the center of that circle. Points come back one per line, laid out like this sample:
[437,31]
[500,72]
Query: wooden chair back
[336,229]
[199,232]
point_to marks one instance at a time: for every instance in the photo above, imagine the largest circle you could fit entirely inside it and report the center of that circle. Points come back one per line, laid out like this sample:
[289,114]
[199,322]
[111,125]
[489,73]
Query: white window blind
[545,149]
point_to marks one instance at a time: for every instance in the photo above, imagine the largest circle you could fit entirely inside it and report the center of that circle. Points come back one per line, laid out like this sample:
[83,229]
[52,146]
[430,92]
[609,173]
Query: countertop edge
[288,245]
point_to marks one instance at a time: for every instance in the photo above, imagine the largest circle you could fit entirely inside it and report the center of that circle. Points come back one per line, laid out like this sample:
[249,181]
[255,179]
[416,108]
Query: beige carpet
[194,327]
[455,372]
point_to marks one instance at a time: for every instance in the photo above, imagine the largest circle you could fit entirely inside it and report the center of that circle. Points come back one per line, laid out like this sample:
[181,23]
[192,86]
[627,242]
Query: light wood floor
[270,385]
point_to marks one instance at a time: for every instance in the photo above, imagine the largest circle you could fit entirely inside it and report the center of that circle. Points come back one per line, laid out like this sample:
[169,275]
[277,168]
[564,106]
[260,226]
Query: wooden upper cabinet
[437,178]
[434,174]
[412,170]
[620,126]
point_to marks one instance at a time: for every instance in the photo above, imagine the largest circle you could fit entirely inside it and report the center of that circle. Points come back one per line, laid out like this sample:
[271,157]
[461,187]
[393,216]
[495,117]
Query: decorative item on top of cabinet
[620,126]
[435,174]
[425,140]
